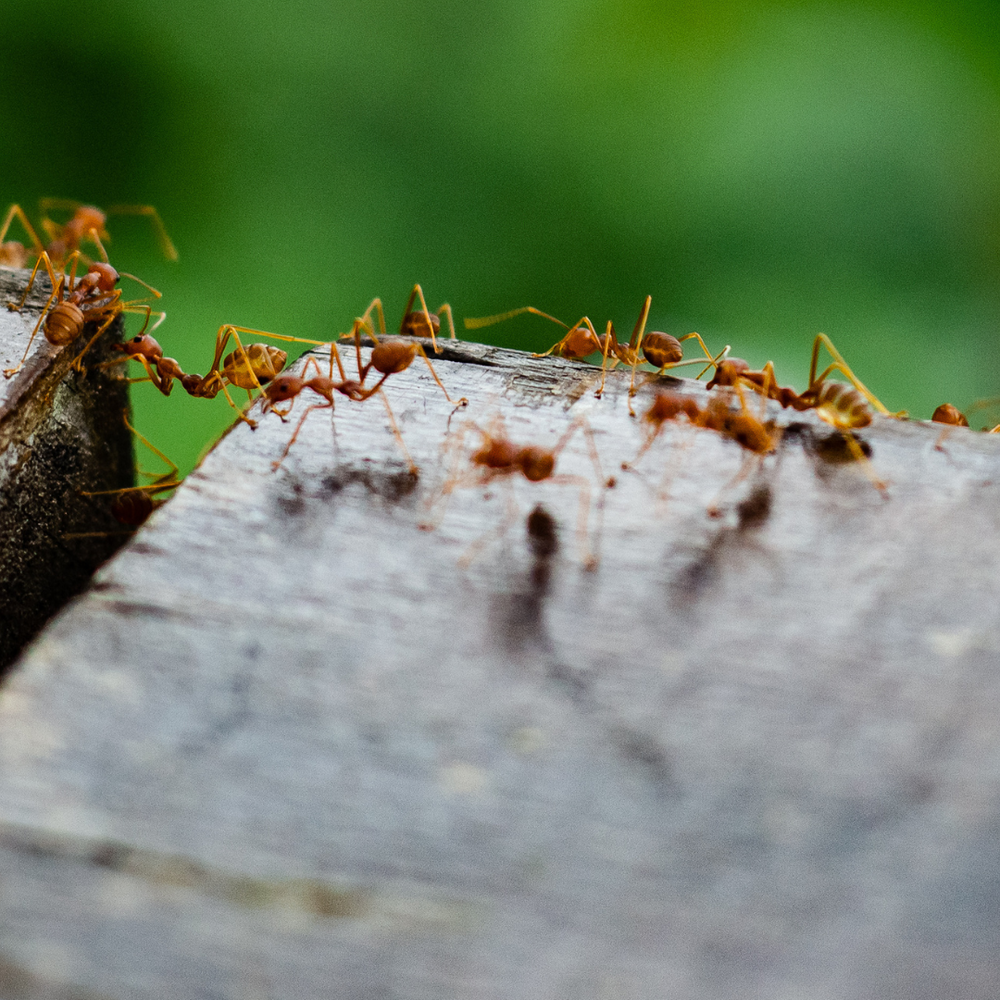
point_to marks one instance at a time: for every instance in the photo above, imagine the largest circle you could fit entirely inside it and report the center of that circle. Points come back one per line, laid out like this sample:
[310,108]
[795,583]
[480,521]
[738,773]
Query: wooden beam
[287,746]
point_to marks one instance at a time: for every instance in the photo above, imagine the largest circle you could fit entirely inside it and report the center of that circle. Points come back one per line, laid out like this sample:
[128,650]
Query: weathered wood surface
[286,747]
[60,433]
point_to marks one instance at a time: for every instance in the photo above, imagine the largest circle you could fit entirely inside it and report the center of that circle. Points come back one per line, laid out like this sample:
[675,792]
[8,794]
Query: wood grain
[287,747]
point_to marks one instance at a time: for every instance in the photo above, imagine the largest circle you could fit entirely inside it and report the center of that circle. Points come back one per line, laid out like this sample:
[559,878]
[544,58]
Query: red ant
[842,406]
[132,505]
[248,367]
[499,457]
[86,224]
[661,350]
[946,413]
[388,357]
[95,299]
[415,323]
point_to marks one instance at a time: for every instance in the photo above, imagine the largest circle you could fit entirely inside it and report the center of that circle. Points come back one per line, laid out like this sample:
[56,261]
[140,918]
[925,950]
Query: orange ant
[415,323]
[388,357]
[95,299]
[842,406]
[739,425]
[86,224]
[946,413]
[132,505]
[661,350]
[248,367]
[499,457]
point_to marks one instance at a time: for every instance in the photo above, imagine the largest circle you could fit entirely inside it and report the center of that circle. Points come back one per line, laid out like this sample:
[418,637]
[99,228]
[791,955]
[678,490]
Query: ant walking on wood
[661,350]
[415,323]
[499,457]
[95,299]
[388,357]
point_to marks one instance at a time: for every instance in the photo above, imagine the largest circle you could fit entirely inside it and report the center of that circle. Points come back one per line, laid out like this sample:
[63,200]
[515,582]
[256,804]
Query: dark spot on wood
[543,539]
[834,448]
[392,486]
[754,509]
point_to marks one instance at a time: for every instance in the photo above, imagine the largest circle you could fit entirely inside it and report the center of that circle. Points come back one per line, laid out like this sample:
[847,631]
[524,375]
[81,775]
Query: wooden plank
[287,747]
[60,433]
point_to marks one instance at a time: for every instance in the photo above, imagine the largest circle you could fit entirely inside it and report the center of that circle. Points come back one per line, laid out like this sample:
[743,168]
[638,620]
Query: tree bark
[60,433]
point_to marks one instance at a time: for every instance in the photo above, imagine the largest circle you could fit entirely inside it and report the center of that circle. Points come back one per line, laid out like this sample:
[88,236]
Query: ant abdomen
[64,323]
[842,405]
[660,349]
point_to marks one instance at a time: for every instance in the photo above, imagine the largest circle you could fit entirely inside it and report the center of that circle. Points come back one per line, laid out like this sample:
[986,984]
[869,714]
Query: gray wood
[60,433]
[287,747]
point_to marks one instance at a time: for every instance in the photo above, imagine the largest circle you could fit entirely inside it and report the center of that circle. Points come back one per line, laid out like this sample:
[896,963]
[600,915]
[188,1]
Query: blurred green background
[765,171]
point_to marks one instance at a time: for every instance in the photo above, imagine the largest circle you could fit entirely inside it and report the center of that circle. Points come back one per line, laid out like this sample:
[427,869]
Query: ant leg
[77,364]
[418,291]
[10,372]
[414,468]
[476,323]
[462,402]
[839,364]
[15,211]
[588,558]
[466,559]
[366,318]
[445,310]
[859,456]
[168,248]
[288,447]
[43,258]
[609,338]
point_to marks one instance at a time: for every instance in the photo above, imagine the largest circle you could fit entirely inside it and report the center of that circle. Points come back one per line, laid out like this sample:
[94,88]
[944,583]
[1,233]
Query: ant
[249,367]
[95,299]
[388,357]
[946,413]
[739,425]
[661,350]
[844,407]
[87,223]
[499,457]
[133,505]
[415,323]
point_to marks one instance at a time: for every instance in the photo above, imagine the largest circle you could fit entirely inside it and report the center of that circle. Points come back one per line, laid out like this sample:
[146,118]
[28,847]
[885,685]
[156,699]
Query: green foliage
[764,172]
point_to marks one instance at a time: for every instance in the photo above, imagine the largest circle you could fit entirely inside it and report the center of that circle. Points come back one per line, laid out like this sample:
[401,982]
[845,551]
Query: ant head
[107,276]
[282,388]
[536,463]
[91,220]
[142,344]
[728,372]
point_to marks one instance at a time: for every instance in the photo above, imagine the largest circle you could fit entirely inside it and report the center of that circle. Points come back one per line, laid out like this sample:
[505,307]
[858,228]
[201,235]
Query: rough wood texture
[60,433]
[286,747]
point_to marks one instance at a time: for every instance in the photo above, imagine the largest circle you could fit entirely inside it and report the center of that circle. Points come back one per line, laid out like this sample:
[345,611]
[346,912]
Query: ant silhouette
[498,457]
[661,350]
